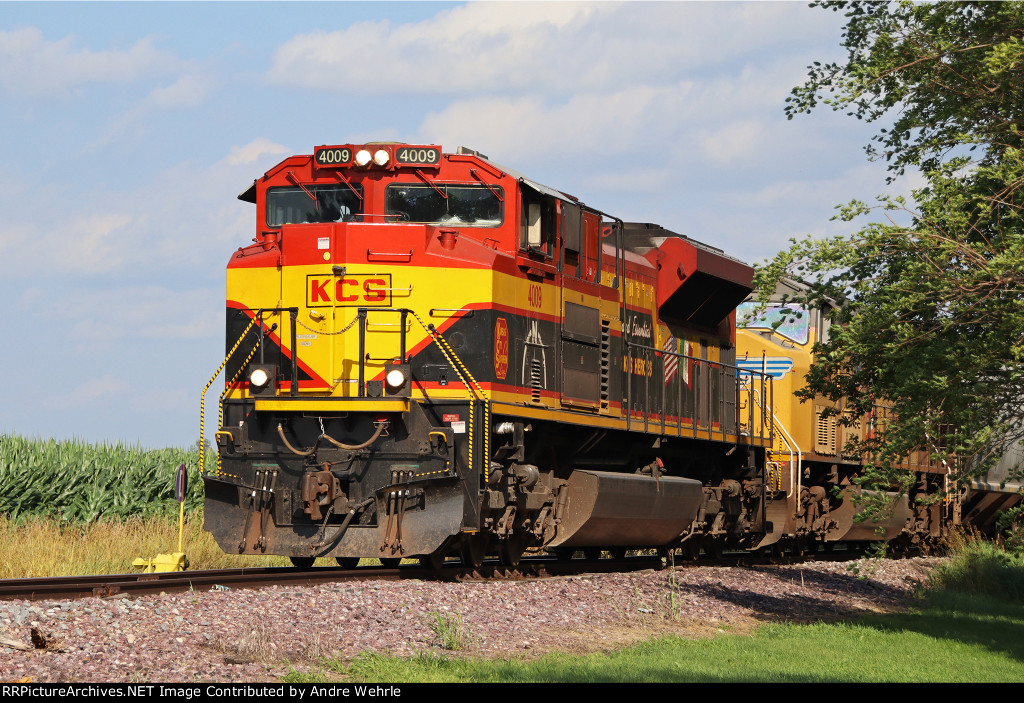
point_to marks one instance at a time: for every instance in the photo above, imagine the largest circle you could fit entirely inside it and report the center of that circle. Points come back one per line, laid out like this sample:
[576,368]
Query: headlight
[258,378]
[381,157]
[363,157]
[395,378]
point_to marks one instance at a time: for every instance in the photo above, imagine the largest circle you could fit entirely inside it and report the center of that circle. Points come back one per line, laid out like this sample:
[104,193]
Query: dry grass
[37,547]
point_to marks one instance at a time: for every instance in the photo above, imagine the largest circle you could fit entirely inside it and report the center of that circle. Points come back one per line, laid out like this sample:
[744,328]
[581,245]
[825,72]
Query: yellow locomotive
[812,464]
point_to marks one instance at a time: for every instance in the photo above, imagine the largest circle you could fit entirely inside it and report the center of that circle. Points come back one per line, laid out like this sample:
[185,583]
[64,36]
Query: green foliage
[931,300]
[1010,524]
[449,629]
[982,568]
[948,72]
[75,482]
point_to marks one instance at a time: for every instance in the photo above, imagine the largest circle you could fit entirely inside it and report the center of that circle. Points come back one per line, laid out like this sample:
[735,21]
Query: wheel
[433,561]
[691,549]
[473,551]
[510,550]
[302,562]
[347,562]
[390,562]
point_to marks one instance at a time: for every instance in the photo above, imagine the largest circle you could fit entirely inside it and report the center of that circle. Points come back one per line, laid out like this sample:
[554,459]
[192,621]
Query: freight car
[430,355]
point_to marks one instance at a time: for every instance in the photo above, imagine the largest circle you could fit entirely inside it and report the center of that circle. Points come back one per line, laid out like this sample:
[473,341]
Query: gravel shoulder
[259,635]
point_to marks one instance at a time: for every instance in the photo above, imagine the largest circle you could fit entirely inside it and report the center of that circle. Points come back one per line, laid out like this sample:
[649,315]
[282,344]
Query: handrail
[791,445]
[724,371]
[474,390]
[202,396]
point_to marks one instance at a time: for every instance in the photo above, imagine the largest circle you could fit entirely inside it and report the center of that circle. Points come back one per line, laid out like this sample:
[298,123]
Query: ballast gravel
[260,635]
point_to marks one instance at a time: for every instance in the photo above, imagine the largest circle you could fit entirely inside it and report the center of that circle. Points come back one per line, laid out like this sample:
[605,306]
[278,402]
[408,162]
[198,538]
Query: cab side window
[537,224]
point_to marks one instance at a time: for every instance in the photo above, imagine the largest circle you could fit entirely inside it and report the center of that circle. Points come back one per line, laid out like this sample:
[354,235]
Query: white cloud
[32,66]
[185,218]
[86,244]
[551,48]
[733,142]
[254,150]
[598,124]
[104,319]
[187,91]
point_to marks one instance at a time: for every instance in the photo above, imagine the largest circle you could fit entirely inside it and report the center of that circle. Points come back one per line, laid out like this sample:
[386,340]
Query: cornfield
[74,482]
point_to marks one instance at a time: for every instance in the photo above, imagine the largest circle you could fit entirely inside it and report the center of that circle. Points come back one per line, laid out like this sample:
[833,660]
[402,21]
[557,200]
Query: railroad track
[137,584]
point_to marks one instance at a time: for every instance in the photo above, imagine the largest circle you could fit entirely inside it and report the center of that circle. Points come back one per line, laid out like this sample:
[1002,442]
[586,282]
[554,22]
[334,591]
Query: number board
[418,155]
[333,156]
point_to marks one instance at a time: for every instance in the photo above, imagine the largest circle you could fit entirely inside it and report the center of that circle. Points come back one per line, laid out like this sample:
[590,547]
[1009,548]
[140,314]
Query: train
[432,356]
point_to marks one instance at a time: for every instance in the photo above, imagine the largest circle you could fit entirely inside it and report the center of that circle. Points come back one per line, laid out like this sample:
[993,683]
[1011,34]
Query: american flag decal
[671,359]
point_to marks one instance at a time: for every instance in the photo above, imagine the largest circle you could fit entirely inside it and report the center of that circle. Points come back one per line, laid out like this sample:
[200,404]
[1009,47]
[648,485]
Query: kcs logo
[355,290]
[500,348]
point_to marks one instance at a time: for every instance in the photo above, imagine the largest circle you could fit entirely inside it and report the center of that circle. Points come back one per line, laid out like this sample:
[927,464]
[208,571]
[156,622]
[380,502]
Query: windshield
[793,320]
[313,203]
[472,205]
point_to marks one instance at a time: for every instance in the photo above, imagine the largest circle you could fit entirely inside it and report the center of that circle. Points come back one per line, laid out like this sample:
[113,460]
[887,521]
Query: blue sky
[129,130]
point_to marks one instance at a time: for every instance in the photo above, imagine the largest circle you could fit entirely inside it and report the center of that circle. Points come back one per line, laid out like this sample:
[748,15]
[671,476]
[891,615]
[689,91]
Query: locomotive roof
[249,194]
[539,187]
[641,237]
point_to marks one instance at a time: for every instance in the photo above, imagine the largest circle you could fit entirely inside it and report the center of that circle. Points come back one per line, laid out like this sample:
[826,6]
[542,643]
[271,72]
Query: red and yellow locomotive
[431,355]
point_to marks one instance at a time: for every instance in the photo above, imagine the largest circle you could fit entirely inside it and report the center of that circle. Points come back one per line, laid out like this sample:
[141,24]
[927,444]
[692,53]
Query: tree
[932,299]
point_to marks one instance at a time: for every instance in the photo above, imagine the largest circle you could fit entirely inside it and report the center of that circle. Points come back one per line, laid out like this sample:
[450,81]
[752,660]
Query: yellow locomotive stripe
[327,352]
[329,349]
[327,405]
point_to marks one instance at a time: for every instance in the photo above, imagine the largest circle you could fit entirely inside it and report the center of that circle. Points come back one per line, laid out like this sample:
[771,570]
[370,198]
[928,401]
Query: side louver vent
[824,432]
[606,361]
[536,379]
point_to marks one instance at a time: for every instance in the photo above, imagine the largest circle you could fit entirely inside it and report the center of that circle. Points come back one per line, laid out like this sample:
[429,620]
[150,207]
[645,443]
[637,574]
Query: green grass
[955,638]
